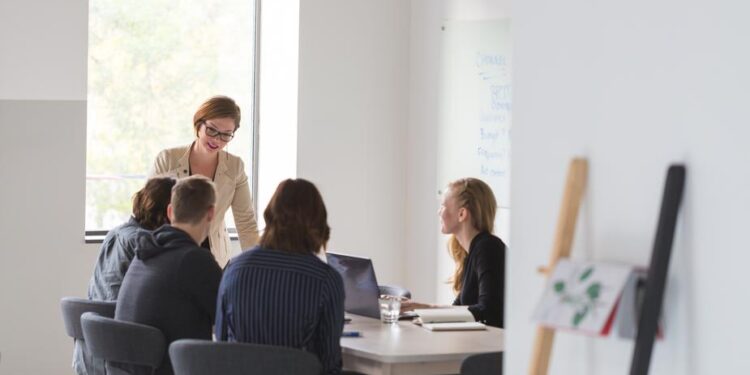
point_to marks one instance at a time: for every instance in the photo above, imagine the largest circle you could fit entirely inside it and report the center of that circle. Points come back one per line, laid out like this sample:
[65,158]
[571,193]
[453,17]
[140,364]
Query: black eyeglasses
[214,133]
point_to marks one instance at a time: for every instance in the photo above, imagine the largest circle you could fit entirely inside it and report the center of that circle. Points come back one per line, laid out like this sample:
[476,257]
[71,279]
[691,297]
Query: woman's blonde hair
[477,197]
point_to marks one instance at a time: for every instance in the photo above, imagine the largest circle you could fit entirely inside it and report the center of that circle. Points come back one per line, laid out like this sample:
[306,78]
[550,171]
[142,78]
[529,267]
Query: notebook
[457,318]
[462,326]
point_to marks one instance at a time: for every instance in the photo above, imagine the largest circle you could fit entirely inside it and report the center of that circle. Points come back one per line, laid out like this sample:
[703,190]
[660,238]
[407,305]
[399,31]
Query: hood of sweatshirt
[163,240]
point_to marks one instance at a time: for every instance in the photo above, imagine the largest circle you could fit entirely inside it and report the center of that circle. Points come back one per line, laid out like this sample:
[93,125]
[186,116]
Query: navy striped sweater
[279,298]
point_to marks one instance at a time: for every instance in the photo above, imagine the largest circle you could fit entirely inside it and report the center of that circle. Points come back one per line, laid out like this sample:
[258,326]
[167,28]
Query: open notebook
[448,319]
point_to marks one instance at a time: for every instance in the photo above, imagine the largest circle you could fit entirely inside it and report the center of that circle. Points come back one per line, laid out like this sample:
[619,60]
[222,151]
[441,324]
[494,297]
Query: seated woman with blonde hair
[467,214]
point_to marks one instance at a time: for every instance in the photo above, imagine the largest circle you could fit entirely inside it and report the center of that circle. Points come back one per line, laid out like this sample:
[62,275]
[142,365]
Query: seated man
[172,282]
[280,292]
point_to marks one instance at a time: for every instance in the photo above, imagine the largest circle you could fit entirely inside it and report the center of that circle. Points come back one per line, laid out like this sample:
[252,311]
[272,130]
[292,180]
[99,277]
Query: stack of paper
[463,326]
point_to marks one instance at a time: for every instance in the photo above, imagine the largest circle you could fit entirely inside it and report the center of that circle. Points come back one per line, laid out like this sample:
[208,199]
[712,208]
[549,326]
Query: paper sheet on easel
[581,296]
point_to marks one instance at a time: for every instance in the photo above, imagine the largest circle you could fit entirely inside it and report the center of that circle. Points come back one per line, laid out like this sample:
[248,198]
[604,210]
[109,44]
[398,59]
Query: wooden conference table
[405,348]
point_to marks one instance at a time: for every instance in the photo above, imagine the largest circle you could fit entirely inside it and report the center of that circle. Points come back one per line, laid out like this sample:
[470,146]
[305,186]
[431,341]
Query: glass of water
[390,308]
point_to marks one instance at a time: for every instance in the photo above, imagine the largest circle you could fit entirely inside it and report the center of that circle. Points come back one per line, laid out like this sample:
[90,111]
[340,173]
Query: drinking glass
[390,308]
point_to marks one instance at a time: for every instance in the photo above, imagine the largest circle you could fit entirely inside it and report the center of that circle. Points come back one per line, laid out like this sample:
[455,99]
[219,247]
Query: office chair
[72,309]
[483,364]
[394,290]
[119,342]
[201,357]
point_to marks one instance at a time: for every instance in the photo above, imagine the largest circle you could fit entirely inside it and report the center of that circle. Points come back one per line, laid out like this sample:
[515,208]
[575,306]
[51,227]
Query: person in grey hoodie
[116,253]
[172,283]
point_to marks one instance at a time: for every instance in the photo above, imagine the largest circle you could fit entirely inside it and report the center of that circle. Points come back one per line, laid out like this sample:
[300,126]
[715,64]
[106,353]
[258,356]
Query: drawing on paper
[581,295]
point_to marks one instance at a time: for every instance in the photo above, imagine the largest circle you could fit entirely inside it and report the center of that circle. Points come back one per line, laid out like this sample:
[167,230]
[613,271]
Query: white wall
[42,44]
[635,86]
[421,152]
[43,117]
[353,110]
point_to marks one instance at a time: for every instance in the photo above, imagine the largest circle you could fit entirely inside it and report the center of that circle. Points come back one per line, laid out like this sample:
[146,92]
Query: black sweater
[484,280]
[171,285]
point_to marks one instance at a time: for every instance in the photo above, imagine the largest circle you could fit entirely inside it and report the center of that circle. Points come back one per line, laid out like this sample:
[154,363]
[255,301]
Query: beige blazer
[232,190]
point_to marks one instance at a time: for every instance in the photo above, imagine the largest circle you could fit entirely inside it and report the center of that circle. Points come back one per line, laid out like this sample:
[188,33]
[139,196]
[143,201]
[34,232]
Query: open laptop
[360,285]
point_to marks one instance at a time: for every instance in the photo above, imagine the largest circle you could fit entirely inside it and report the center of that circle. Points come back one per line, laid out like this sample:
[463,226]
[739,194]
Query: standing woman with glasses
[215,123]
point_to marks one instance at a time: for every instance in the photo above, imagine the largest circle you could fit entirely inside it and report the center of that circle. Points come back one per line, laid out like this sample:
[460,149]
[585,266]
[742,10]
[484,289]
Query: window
[150,65]
[279,57]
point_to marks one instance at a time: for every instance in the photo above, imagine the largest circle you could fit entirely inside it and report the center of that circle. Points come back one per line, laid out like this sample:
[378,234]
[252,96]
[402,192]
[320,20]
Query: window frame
[97,236]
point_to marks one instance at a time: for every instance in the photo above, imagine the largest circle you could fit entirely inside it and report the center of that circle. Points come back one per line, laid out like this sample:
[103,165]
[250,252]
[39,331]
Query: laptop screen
[360,285]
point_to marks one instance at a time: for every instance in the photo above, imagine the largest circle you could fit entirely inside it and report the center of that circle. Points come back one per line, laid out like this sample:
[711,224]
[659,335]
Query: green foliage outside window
[150,66]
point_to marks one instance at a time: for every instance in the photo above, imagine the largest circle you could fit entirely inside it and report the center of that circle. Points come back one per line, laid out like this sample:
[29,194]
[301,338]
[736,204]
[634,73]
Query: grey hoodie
[171,285]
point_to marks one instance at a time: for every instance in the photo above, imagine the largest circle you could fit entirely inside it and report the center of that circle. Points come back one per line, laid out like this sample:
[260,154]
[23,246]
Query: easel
[566,225]
[657,273]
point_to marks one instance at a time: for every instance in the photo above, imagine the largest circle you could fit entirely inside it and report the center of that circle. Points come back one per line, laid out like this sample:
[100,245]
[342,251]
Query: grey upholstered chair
[72,309]
[483,364]
[394,290]
[201,357]
[120,342]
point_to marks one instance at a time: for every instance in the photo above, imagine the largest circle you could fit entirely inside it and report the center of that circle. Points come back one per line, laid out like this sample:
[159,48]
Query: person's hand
[409,305]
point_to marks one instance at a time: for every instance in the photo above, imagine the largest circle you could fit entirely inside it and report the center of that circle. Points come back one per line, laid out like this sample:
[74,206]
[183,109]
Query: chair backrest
[123,342]
[74,307]
[394,290]
[483,364]
[201,357]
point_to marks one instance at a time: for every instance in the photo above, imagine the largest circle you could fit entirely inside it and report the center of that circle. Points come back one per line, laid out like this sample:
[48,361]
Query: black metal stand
[657,272]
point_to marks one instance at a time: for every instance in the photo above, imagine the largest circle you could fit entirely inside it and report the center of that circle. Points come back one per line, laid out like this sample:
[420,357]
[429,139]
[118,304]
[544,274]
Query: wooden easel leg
[566,224]
[542,351]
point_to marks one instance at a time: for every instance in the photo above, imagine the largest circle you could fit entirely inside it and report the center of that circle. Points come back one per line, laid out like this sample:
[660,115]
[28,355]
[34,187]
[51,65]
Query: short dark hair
[296,219]
[150,203]
[192,197]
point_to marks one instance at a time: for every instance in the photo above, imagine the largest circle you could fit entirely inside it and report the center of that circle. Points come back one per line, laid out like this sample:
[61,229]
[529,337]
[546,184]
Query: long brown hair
[150,203]
[477,197]
[296,219]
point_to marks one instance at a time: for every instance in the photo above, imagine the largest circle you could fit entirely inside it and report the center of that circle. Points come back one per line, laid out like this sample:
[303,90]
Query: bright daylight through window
[150,65]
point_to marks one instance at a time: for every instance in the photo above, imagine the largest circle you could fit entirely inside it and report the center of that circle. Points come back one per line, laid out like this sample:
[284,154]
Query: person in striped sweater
[280,293]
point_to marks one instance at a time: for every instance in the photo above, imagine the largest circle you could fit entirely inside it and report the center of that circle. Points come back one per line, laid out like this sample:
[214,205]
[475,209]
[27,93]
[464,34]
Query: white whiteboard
[475,108]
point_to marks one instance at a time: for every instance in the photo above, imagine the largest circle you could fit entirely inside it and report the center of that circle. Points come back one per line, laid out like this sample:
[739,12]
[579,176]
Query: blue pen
[351,334]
